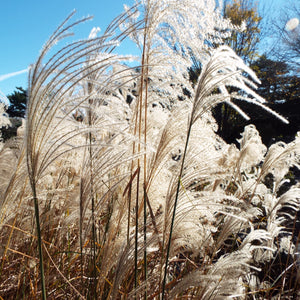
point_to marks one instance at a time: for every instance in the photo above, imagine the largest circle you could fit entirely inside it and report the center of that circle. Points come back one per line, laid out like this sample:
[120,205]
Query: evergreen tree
[17,100]
[277,82]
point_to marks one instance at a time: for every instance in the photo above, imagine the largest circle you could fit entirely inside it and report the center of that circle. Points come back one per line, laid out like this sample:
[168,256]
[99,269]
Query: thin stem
[93,241]
[145,240]
[175,206]
[129,209]
[136,230]
[139,112]
[145,175]
[38,228]
[81,230]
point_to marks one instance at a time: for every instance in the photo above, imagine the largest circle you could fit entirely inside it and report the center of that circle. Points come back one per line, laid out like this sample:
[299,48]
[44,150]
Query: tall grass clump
[120,188]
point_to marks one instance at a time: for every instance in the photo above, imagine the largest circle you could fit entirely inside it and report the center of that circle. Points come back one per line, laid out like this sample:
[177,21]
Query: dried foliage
[121,182]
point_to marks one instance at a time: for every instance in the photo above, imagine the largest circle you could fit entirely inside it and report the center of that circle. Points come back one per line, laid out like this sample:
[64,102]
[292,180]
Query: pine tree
[277,83]
[17,100]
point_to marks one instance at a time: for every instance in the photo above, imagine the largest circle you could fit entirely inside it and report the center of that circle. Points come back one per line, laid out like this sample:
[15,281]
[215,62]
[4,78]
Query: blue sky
[25,25]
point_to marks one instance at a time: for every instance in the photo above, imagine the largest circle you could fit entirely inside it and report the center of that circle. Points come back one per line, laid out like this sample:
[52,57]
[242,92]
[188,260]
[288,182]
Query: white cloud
[6,76]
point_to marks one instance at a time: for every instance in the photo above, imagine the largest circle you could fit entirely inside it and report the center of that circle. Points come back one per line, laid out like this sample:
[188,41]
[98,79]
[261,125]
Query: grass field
[119,188]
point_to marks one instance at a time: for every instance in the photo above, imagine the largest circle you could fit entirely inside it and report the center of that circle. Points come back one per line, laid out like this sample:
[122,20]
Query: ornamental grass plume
[121,189]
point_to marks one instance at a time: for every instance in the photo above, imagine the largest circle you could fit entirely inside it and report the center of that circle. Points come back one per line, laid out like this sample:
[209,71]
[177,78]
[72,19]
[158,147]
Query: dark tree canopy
[17,100]
[277,82]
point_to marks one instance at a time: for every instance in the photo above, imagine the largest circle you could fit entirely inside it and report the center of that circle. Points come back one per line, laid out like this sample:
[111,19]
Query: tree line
[277,67]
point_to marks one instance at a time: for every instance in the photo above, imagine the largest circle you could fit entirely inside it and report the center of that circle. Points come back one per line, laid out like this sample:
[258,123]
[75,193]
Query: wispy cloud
[6,76]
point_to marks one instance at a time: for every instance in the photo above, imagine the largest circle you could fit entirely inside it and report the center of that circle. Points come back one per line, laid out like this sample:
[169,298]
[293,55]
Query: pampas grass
[120,187]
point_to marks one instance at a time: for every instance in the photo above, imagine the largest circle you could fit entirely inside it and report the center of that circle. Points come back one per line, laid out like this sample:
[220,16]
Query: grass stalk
[145,241]
[81,231]
[145,174]
[139,124]
[175,207]
[39,239]
[93,240]
[136,232]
